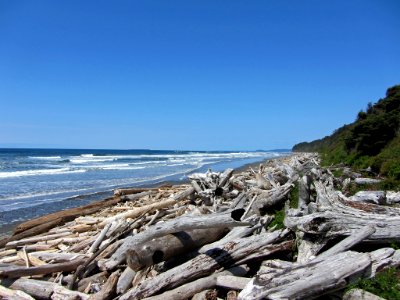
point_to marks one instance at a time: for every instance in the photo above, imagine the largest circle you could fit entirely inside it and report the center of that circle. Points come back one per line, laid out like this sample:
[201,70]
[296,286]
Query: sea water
[35,182]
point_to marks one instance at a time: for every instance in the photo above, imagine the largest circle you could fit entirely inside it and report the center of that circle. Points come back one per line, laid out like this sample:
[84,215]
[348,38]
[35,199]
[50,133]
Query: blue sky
[198,75]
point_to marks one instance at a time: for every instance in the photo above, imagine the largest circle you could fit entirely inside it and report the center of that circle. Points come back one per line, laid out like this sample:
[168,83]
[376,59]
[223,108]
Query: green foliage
[294,196]
[279,218]
[385,284]
[372,140]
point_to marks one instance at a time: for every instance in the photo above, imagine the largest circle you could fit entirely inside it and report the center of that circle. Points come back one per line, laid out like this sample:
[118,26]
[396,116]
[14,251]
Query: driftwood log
[223,220]
[205,264]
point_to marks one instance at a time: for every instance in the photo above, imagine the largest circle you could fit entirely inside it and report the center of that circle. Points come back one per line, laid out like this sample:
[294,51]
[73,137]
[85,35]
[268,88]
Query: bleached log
[392,197]
[121,192]
[376,197]
[151,207]
[363,181]
[206,295]
[271,197]
[57,257]
[16,272]
[308,281]
[222,279]
[336,216]
[308,247]
[170,245]
[8,294]
[134,197]
[61,293]
[224,178]
[239,201]
[125,280]
[260,181]
[383,258]
[43,224]
[108,290]
[8,252]
[359,294]
[44,289]
[94,279]
[234,234]
[348,242]
[205,264]
[100,238]
[217,220]
[32,240]
[304,192]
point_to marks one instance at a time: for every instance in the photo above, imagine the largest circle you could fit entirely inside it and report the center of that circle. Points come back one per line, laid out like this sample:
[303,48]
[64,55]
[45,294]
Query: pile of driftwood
[213,238]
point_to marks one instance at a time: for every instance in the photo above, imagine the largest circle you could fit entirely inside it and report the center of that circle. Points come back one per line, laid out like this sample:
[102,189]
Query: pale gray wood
[217,220]
[308,281]
[363,181]
[392,197]
[170,245]
[16,272]
[337,216]
[107,291]
[205,264]
[308,247]
[187,290]
[348,242]
[99,239]
[134,197]
[268,198]
[35,239]
[359,294]
[125,280]
[376,197]
[40,289]
[8,294]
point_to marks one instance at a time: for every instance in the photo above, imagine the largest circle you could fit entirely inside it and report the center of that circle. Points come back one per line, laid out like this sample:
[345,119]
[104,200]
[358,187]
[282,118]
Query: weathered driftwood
[336,216]
[170,245]
[348,242]
[221,279]
[61,217]
[134,197]
[32,240]
[125,280]
[265,199]
[100,238]
[205,264]
[108,290]
[308,281]
[359,294]
[182,223]
[363,181]
[128,191]
[376,197]
[8,294]
[45,290]
[261,182]
[151,207]
[16,272]
[392,197]
[308,246]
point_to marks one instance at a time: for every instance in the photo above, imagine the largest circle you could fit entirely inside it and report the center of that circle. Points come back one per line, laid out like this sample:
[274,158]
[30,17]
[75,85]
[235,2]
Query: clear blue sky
[206,75]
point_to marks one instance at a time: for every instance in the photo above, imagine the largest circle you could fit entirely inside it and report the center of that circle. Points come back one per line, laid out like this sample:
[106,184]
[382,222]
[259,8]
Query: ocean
[34,182]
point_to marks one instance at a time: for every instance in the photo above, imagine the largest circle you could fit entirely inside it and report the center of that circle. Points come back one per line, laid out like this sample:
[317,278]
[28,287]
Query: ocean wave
[45,157]
[39,172]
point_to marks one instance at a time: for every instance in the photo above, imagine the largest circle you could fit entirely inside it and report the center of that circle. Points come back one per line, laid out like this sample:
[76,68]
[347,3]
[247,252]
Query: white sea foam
[45,157]
[39,172]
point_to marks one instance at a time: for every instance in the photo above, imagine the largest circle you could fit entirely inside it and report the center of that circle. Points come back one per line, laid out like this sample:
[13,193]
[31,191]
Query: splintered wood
[214,238]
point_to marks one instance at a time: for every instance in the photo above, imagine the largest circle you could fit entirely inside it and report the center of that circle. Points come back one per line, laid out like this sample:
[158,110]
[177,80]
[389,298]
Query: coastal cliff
[372,140]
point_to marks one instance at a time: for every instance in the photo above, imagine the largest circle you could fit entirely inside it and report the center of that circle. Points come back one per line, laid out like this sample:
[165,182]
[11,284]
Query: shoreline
[7,229]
